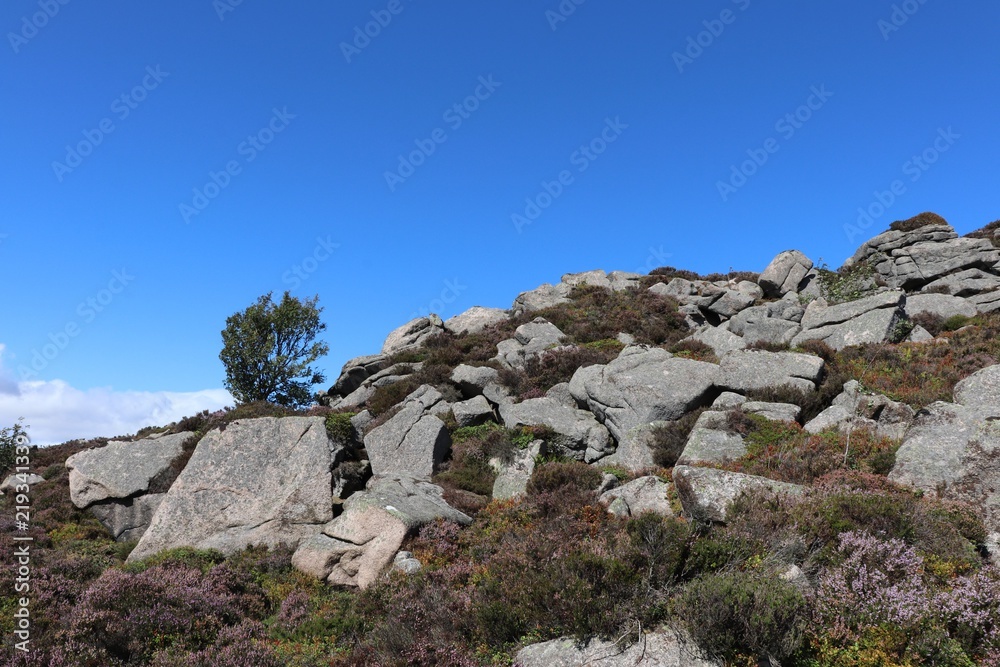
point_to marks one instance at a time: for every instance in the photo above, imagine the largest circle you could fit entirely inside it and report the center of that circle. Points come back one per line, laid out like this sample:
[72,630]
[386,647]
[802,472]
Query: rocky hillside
[796,467]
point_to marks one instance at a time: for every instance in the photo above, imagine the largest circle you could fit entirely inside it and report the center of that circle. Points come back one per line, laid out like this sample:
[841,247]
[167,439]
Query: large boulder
[785,273]
[636,451]
[472,412]
[873,319]
[413,441]
[643,385]
[513,475]
[577,434]
[529,341]
[720,340]
[260,481]
[20,479]
[475,319]
[749,370]
[981,391]
[882,246]
[121,469]
[707,493]
[662,648]
[964,283]
[854,409]
[412,334]
[644,494]
[359,545]
[128,519]
[540,298]
[940,305]
[711,441]
[356,371]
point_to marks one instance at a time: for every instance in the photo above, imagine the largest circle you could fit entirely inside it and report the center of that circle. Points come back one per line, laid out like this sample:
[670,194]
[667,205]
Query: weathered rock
[512,476]
[873,319]
[356,371]
[260,481]
[730,303]
[472,380]
[657,649]
[987,302]
[635,451]
[854,409]
[475,319]
[529,341]
[26,479]
[981,391]
[127,519]
[595,278]
[561,394]
[772,331]
[350,477]
[964,283]
[886,242]
[472,412]
[720,340]
[577,434]
[749,370]
[541,297]
[919,335]
[750,288]
[645,494]
[413,441]
[414,502]
[728,400]
[405,562]
[818,314]
[711,441]
[623,280]
[120,469]
[941,305]
[643,385]
[707,493]
[412,334]
[784,412]
[784,273]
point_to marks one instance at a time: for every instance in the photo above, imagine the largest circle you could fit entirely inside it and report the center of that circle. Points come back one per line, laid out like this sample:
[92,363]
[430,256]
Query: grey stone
[541,297]
[356,398]
[356,371]
[350,477]
[20,479]
[412,442]
[578,434]
[623,280]
[711,441]
[919,335]
[595,278]
[941,305]
[751,289]
[412,334]
[784,273]
[784,412]
[964,283]
[876,326]
[474,320]
[749,370]
[730,303]
[916,265]
[472,412]
[720,340]
[645,494]
[643,385]
[561,394]
[472,380]
[512,476]
[663,648]
[728,400]
[415,502]
[129,518]
[886,242]
[635,450]
[707,493]
[120,469]
[981,391]
[260,481]
[987,302]
[405,562]
[361,421]
[817,315]
[530,340]
[693,316]
[772,331]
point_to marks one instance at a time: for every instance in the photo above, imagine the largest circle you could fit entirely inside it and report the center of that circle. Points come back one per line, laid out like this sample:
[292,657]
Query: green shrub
[739,615]
[556,476]
[847,283]
[916,222]
[670,438]
[339,426]
[955,322]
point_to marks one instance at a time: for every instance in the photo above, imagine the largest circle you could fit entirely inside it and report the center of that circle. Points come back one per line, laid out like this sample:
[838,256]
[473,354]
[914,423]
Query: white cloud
[56,412]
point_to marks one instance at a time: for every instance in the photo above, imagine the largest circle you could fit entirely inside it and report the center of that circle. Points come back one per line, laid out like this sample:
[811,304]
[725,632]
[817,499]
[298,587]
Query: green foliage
[10,438]
[339,426]
[268,348]
[556,476]
[847,283]
[200,559]
[743,614]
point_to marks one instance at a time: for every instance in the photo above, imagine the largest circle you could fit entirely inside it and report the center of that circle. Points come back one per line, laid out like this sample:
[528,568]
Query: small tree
[268,348]
[10,438]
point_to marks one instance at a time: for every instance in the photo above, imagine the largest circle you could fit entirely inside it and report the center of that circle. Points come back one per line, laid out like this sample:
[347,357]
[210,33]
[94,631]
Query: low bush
[558,476]
[916,222]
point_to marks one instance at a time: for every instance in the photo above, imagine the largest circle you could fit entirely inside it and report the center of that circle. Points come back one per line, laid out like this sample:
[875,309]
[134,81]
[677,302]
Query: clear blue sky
[308,129]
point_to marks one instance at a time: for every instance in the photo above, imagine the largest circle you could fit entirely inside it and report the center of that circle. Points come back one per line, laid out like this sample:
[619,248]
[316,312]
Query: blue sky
[168,162]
